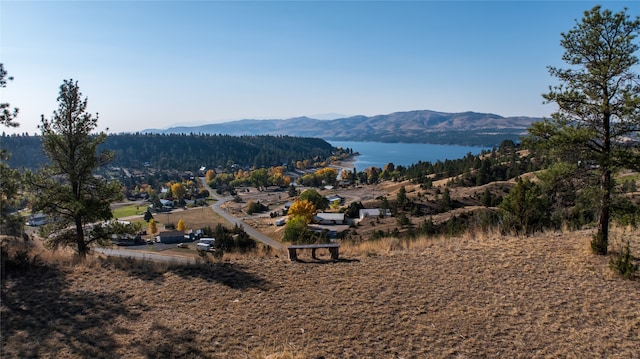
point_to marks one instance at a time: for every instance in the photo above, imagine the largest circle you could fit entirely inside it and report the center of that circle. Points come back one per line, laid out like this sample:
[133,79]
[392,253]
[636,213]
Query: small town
[307,180]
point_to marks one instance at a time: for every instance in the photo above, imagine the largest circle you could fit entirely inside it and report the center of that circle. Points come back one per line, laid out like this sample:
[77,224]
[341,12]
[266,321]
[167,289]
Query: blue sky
[154,64]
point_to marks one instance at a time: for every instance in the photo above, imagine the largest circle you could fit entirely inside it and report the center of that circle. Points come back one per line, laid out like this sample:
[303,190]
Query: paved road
[259,236]
[144,255]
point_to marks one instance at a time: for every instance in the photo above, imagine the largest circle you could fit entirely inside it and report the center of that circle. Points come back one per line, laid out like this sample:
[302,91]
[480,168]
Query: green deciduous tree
[598,102]
[319,201]
[259,178]
[67,190]
[296,230]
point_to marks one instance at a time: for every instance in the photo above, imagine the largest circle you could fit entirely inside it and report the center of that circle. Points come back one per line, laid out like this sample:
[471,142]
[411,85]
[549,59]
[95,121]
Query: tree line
[187,152]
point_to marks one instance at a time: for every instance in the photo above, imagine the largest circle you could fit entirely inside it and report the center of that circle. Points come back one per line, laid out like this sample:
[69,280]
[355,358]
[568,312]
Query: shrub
[598,244]
[622,262]
[255,207]
[16,256]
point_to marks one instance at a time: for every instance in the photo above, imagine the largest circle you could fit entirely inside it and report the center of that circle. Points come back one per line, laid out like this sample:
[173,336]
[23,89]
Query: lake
[379,154]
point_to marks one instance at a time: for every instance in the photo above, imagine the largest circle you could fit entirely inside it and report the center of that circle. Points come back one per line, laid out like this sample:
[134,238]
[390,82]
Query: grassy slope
[487,296]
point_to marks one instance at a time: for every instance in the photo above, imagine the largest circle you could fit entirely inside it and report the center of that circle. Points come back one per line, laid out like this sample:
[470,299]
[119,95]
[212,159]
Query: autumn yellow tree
[210,175]
[302,208]
[275,169]
[345,174]
[153,227]
[327,175]
[278,179]
[242,175]
[181,226]
[178,190]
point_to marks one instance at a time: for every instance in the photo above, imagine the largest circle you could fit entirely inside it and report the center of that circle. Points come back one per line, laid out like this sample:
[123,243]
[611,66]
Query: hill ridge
[416,126]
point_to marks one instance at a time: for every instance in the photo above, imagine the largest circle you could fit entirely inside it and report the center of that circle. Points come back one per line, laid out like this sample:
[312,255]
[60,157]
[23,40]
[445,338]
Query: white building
[374,212]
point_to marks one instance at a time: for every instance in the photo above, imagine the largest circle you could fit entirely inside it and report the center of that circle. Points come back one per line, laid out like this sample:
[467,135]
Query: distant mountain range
[423,126]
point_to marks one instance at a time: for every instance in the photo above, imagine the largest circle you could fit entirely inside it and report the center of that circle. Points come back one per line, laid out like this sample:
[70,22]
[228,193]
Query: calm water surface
[379,154]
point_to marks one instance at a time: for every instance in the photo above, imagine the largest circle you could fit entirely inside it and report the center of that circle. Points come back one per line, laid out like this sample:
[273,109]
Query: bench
[333,249]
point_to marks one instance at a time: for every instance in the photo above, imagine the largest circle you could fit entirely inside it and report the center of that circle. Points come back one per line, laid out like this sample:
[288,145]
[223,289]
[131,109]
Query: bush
[255,207]
[232,240]
[16,256]
[598,244]
[622,262]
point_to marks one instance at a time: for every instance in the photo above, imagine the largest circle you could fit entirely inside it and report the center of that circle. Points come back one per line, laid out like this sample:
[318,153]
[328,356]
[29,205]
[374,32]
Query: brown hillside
[544,296]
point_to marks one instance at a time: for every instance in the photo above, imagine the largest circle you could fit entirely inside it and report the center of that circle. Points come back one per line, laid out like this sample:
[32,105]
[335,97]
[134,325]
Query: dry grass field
[194,218]
[472,297]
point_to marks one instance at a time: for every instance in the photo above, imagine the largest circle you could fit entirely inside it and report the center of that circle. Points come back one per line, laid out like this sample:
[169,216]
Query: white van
[205,244]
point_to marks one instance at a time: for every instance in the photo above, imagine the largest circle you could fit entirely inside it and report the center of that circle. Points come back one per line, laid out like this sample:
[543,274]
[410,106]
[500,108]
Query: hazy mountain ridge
[421,126]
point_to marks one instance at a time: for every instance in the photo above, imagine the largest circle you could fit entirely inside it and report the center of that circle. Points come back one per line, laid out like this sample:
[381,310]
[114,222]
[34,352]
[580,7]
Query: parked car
[182,245]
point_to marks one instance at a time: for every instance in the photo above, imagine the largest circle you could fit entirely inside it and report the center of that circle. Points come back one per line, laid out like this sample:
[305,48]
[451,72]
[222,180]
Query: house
[170,237]
[166,203]
[375,212]
[329,218]
[335,198]
[287,206]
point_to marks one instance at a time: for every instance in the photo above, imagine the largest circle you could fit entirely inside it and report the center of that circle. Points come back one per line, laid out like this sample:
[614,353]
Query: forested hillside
[185,152]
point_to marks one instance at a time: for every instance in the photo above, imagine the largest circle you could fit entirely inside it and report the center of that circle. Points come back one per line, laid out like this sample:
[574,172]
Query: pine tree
[10,179]
[598,103]
[67,189]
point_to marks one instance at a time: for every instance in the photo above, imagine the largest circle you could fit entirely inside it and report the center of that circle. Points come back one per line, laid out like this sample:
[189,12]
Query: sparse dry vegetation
[481,295]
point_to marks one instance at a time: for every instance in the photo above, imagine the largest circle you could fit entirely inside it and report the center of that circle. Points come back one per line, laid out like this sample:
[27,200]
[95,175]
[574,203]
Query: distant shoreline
[345,164]
[378,154]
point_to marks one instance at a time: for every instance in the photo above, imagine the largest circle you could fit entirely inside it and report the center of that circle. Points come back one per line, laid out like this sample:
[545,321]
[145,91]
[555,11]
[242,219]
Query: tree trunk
[82,245]
[600,241]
